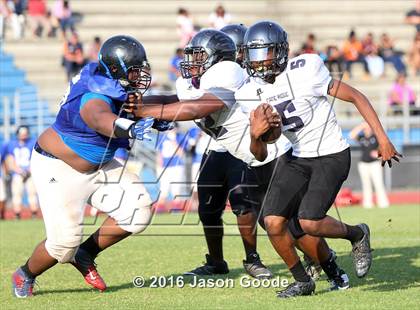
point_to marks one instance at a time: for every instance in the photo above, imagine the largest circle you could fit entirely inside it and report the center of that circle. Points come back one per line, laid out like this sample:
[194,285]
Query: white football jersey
[186,91]
[299,94]
[230,126]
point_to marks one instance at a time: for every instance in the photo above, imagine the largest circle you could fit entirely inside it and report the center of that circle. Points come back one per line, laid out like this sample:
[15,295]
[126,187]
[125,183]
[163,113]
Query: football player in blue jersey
[72,164]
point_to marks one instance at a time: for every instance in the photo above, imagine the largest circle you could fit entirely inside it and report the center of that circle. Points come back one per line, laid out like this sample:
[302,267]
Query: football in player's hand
[271,135]
[274,133]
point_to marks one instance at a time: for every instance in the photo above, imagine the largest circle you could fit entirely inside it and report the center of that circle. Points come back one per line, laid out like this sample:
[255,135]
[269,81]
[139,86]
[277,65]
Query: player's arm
[182,110]
[345,92]
[98,115]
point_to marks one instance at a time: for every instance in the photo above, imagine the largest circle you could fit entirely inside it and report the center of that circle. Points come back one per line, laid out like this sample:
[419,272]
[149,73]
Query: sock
[354,233]
[27,272]
[250,257]
[299,273]
[330,267]
[91,246]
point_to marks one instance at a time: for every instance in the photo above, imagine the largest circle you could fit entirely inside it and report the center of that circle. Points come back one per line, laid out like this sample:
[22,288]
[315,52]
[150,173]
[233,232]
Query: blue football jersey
[84,141]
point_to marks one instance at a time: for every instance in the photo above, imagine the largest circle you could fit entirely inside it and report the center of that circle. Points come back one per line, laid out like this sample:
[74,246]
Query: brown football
[273,133]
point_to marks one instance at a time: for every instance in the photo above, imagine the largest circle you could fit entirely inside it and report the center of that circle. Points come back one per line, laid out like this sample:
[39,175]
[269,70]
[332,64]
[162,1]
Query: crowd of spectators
[40,20]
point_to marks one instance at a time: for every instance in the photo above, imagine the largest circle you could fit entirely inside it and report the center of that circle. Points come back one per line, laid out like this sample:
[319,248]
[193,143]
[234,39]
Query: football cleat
[340,281]
[362,253]
[313,269]
[210,268]
[255,268]
[22,285]
[298,289]
[86,265]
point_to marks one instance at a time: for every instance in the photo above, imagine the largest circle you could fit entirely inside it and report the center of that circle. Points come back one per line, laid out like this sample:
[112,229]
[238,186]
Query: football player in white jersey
[221,175]
[231,127]
[298,90]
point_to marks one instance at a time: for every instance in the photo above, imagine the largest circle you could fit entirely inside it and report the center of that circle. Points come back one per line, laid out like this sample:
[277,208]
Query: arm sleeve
[320,77]
[89,96]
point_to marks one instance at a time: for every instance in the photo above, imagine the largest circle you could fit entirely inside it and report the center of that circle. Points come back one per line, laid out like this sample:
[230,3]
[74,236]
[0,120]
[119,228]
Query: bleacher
[20,101]
[153,22]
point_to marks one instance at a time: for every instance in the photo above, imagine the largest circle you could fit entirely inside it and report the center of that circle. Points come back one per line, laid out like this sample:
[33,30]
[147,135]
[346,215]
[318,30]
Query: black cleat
[298,289]
[255,268]
[340,281]
[313,269]
[210,268]
[362,253]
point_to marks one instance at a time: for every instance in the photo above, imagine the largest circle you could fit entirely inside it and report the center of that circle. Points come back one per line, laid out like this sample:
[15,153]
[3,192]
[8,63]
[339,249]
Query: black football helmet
[237,33]
[266,50]
[123,58]
[205,49]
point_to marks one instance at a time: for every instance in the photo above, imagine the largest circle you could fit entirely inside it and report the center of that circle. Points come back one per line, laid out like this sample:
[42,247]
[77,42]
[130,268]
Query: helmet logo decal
[108,73]
[119,55]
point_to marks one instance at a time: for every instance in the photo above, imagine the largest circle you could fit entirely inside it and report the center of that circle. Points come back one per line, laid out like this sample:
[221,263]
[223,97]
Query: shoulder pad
[225,74]
[100,84]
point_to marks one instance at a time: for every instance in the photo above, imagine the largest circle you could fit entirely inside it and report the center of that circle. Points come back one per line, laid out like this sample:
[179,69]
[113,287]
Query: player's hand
[387,152]
[142,128]
[161,125]
[260,123]
[134,100]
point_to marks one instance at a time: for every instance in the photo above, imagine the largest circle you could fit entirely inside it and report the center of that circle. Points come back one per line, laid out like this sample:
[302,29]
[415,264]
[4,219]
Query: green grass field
[168,249]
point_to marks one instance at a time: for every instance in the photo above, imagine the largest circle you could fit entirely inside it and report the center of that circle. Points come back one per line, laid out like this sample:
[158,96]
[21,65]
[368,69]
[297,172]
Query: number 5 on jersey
[289,107]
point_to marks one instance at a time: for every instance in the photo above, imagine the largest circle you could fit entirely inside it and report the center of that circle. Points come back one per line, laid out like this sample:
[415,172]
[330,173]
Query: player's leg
[17,194]
[286,185]
[327,175]
[240,178]
[62,194]
[318,254]
[212,196]
[366,185]
[32,197]
[128,206]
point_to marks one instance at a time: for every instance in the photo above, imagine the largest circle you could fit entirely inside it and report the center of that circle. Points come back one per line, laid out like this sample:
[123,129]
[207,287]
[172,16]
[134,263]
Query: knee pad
[127,202]
[61,252]
[295,229]
[138,222]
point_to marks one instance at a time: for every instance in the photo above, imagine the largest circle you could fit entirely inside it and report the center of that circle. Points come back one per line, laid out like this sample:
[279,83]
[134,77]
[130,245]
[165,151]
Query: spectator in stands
[174,70]
[170,167]
[389,54]
[18,163]
[73,56]
[414,55]
[353,52]
[308,47]
[3,196]
[369,166]
[334,59]
[17,18]
[370,50]
[184,27]
[94,49]
[38,20]
[413,16]
[62,12]
[219,18]
[4,15]
[400,94]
